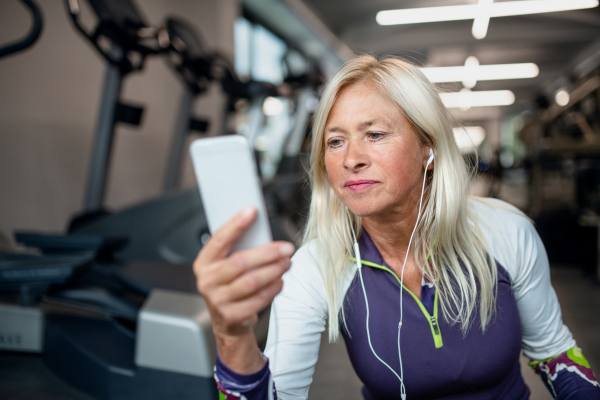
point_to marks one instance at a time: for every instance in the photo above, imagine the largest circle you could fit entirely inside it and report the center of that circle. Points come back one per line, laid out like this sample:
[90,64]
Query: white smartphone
[228,181]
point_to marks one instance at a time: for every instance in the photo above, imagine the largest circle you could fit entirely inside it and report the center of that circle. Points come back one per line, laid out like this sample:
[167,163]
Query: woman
[474,274]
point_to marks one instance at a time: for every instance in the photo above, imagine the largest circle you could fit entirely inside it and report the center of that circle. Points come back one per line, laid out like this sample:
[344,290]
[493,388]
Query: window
[258,53]
[262,56]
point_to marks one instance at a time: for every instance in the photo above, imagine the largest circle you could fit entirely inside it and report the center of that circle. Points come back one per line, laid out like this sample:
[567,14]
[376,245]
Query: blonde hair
[458,264]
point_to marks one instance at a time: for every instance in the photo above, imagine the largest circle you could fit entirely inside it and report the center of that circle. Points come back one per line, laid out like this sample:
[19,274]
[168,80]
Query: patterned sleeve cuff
[234,386]
[568,375]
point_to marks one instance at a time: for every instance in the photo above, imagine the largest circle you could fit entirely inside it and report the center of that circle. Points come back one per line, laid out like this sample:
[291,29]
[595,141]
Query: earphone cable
[402,388]
[362,283]
[359,266]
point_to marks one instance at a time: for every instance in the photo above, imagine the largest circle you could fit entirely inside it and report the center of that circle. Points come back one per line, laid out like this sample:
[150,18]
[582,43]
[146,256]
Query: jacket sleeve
[516,245]
[234,386]
[568,376]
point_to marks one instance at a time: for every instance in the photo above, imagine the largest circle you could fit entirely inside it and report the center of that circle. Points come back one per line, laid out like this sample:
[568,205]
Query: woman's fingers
[237,286]
[251,283]
[244,310]
[226,270]
[219,244]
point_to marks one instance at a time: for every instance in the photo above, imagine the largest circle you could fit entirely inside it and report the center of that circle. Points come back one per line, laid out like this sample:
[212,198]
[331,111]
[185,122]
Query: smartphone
[228,181]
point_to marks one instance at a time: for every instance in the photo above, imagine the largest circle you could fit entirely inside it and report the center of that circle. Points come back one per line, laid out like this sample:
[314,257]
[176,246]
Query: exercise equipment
[31,37]
[172,228]
[72,303]
[108,326]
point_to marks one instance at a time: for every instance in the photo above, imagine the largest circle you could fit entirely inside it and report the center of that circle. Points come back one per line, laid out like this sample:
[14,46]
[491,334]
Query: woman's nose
[355,157]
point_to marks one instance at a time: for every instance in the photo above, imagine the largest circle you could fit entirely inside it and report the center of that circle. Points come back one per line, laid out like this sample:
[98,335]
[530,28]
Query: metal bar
[293,143]
[102,148]
[182,128]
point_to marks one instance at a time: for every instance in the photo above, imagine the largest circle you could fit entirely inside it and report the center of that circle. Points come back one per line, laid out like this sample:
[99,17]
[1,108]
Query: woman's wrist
[240,353]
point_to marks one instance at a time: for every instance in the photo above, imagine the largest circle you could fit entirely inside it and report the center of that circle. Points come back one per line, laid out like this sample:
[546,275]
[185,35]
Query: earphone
[359,266]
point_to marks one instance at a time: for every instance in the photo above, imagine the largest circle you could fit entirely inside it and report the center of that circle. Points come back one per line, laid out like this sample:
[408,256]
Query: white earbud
[431,157]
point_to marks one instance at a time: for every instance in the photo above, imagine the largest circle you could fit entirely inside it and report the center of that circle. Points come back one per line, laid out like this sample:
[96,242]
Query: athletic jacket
[439,360]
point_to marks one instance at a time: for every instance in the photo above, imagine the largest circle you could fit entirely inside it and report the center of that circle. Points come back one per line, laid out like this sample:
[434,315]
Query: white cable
[359,266]
[402,388]
[369,334]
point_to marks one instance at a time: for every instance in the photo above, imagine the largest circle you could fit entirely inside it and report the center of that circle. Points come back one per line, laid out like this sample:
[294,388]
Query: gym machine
[112,331]
[129,329]
[170,228]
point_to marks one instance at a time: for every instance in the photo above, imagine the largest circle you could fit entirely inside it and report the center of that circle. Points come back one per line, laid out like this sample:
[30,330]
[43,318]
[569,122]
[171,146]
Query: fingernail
[287,249]
[247,211]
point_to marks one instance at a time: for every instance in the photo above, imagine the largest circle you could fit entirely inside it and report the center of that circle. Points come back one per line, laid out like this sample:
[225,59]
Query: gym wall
[49,97]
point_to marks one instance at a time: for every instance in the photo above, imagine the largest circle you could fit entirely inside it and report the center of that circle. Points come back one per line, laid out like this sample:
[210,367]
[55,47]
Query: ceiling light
[472,11]
[562,98]
[484,72]
[466,99]
[482,19]
[468,138]
[470,72]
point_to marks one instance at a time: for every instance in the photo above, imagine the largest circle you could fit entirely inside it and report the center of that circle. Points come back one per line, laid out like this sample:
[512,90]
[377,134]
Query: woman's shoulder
[307,273]
[305,270]
[510,235]
[499,219]
[308,257]
[498,212]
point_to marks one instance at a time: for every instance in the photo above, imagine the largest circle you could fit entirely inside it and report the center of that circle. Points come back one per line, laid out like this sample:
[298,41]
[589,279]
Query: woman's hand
[237,286]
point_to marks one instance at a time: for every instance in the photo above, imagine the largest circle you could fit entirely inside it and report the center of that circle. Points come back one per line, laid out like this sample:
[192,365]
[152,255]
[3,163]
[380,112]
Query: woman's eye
[376,135]
[334,143]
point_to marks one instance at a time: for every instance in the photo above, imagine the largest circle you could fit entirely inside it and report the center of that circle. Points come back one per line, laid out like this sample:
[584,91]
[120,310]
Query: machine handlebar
[32,36]
[129,38]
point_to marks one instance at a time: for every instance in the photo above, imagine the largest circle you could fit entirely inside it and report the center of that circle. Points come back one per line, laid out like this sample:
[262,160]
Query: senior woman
[435,294]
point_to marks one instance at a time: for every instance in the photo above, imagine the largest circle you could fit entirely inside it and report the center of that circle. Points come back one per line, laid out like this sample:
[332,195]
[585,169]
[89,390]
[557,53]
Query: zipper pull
[436,329]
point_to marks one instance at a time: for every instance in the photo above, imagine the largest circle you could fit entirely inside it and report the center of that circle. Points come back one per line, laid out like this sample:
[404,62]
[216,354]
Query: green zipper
[433,324]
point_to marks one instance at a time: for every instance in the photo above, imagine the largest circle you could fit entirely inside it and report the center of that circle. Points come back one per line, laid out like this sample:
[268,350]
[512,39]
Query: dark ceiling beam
[590,18]
[457,36]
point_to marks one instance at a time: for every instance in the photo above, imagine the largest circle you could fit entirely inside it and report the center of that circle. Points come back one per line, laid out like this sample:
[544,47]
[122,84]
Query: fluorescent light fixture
[468,138]
[472,11]
[470,72]
[482,20]
[490,72]
[273,106]
[562,98]
[466,99]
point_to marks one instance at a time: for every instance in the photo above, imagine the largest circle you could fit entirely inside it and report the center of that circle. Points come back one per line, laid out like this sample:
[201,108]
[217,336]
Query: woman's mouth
[361,185]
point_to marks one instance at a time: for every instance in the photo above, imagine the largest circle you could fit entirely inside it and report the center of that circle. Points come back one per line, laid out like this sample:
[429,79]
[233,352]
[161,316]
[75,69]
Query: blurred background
[98,109]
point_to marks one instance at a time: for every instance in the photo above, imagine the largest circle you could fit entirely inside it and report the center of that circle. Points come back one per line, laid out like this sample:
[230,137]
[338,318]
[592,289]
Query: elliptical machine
[124,40]
[170,228]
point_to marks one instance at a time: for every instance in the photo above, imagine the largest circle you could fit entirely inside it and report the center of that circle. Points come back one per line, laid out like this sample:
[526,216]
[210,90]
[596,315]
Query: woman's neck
[391,234]
[391,238]
[391,229]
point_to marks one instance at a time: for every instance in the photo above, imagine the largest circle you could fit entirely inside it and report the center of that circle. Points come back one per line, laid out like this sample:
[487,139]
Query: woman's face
[374,160]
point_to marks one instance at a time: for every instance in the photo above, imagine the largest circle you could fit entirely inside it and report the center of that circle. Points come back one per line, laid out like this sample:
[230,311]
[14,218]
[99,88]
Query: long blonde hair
[458,264]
